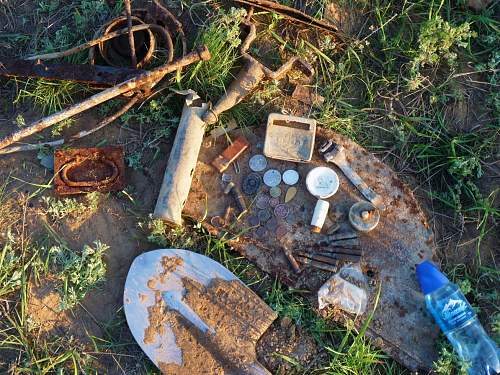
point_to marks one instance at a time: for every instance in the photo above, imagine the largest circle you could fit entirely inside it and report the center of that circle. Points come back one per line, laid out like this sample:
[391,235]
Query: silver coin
[227,177]
[272,177]
[257,163]
[273,202]
[264,215]
[290,177]
[275,192]
[262,201]
[281,211]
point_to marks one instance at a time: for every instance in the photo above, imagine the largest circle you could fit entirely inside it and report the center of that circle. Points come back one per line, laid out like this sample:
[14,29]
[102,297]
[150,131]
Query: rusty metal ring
[115,24]
[66,167]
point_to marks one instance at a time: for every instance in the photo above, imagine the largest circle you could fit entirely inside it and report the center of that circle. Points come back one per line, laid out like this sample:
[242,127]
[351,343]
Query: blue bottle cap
[429,277]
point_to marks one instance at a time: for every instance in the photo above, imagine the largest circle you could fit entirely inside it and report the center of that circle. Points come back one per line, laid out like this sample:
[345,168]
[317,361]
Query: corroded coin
[281,211]
[262,201]
[273,202]
[272,224]
[260,232]
[257,163]
[264,215]
[251,184]
[253,220]
[272,177]
[281,231]
[290,177]
[275,192]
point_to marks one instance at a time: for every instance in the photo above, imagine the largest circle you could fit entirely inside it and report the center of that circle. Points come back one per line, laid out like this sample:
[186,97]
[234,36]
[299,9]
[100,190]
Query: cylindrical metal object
[182,162]
[319,215]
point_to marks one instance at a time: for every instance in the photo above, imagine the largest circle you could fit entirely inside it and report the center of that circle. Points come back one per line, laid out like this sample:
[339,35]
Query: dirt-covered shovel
[191,315]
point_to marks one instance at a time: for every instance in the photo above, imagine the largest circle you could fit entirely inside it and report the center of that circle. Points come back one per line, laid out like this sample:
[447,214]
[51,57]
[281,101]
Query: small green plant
[77,273]
[221,36]
[448,363]
[436,42]
[10,267]
[58,209]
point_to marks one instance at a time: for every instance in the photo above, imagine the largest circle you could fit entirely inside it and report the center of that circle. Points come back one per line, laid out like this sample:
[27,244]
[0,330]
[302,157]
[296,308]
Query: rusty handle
[142,80]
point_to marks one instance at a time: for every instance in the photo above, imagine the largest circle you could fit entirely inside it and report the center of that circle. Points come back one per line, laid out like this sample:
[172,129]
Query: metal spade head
[188,312]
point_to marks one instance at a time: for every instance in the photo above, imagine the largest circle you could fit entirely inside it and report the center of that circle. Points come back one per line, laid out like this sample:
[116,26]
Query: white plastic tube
[319,215]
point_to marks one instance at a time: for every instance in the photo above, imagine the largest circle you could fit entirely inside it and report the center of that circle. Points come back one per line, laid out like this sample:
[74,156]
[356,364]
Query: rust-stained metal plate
[84,170]
[402,239]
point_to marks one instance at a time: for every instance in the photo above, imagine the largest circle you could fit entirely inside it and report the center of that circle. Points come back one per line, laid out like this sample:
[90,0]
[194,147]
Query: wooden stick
[138,82]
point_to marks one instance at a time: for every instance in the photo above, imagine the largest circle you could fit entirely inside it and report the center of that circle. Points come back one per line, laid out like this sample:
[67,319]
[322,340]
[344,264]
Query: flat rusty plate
[391,251]
[84,170]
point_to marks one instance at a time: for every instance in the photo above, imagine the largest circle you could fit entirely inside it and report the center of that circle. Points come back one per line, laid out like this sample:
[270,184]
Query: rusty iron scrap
[86,170]
[94,75]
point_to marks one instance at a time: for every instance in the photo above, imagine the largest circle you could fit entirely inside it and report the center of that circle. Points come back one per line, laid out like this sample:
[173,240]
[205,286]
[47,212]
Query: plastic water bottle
[458,321]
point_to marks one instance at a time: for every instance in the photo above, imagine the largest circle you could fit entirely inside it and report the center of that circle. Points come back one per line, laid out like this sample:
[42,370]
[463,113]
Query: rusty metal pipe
[135,83]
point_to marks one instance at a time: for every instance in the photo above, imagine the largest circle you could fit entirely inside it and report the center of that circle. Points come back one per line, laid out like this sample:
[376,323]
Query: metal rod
[131,41]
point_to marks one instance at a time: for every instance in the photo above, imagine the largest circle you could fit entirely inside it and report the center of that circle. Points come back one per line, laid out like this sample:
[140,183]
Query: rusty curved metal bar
[77,162]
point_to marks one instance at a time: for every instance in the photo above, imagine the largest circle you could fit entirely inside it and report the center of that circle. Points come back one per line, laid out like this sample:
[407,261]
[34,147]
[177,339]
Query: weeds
[77,274]
[58,209]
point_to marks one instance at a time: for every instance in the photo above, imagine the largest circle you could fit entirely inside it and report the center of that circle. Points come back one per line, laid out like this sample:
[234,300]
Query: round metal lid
[322,182]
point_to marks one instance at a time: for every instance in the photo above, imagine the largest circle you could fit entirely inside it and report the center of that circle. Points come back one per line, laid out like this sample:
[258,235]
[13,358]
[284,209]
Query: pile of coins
[272,207]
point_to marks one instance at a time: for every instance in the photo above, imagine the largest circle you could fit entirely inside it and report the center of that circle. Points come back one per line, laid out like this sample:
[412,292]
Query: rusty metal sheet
[400,325]
[95,75]
[84,170]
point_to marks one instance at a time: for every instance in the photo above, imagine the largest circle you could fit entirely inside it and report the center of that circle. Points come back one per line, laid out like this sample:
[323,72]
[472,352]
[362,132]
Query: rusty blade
[330,258]
[341,250]
[330,267]
[347,242]
[95,75]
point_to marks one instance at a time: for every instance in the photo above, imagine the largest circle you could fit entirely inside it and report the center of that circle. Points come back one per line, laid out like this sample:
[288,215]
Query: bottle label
[456,312]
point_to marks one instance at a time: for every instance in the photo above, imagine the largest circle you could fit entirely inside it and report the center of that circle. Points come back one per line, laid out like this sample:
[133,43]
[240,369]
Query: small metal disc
[272,177]
[262,201]
[226,177]
[257,163]
[290,177]
[260,232]
[322,182]
[253,220]
[281,211]
[290,194]
[272,224]
[264,215]
[281,231]
[273,202]
[251,184]
[275,192]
